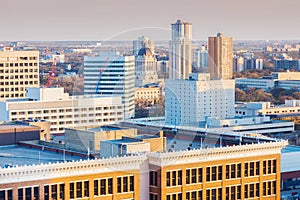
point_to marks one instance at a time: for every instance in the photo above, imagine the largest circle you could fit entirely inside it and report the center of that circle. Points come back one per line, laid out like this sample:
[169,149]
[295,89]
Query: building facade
[233,172]
[111,74]
[220,57]
[18,70]
[189,102]
[180,50]
[52,104]
[145,67]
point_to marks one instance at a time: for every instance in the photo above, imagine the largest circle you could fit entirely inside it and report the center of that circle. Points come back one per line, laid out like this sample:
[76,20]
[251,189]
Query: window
[214,173]
[251,190]
[153,178]
[125,184]
[174,178]
[269,166]
[214,194]
[194,195]
[177,196]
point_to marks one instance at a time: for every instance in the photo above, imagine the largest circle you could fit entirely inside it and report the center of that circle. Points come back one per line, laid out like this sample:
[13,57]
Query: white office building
[191,101]
[111,74]
[63,111]
[181,50]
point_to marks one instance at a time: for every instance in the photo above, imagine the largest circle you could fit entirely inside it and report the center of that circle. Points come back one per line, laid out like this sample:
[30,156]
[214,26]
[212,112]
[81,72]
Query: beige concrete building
[150,94]
[18,70]
[84,139]
[52,104]
[220,57]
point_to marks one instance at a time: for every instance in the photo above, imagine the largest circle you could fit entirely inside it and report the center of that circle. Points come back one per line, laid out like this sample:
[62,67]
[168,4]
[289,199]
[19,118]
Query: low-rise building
[52,104]
[149,94]
[235,172]
[86,139]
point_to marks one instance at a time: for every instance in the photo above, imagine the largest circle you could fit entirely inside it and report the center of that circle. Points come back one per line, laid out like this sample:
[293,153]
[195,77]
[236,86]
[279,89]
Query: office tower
[220,57]
[191,101]
[181,50]
[111,74]
[163,68]
[142,42]
[18,70]
[145,67]
[63,111]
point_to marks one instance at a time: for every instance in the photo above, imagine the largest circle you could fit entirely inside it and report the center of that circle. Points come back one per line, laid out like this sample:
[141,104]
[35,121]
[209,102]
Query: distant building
[285,80]
[238,64]
[111,74]
[151,94]
[180,50]
[220,57]
[18,71]
[286,64]
[142,43]
[145,67]
[191,101]
[201,58]
[52,104]
[163,68]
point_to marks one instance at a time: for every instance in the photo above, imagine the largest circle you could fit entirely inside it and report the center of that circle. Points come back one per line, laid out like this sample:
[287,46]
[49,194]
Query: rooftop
[17,155]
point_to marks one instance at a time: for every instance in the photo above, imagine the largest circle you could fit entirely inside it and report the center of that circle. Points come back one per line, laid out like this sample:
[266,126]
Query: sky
[103,20]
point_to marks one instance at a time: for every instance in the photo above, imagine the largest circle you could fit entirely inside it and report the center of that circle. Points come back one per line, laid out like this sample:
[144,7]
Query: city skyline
[75,20]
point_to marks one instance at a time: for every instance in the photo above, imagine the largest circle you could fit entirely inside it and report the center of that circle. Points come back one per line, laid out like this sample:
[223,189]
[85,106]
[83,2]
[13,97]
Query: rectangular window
[61,191]
[274,166]
[257,169]
[199,175]
[110,185]
[54,191]
[72,192]
[28,194]
[119,184]
[21,194]
[96,187]
[194,175]
[103,187]
[173,178]
[131,183]
[46,192]
[86,189]
[188,171]
[79,189]
[125,184]
[168,179]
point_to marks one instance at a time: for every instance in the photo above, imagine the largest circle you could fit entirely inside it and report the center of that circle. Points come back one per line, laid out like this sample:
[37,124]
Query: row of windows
[214,173]
[19,77]
[78,189]
[18,64]
[21,83]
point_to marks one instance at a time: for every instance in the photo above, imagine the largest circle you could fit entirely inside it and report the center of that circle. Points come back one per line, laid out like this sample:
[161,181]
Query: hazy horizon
[102,20]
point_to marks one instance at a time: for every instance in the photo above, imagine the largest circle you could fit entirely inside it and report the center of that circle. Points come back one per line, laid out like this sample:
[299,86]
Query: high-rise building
[181,50]
[111,74]
[220,57]
[142,42]
[189,102]
[18,70]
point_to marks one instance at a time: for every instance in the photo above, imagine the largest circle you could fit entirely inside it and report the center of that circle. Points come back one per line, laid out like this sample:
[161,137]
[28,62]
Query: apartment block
[18,71]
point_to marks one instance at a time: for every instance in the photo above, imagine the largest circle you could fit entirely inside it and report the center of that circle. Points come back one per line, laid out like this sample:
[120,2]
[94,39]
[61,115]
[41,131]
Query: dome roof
[145,52]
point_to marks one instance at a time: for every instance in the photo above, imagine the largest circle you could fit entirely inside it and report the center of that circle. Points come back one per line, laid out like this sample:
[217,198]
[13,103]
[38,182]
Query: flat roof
[105,128]
[10,127]
[290,149]
[17,155]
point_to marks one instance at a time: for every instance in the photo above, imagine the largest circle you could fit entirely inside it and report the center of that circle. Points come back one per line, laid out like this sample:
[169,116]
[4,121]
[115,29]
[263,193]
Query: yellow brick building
[234,172]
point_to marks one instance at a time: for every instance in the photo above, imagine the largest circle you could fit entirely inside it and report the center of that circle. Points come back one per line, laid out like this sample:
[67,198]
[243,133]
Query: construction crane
[51,74]
[100,74]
